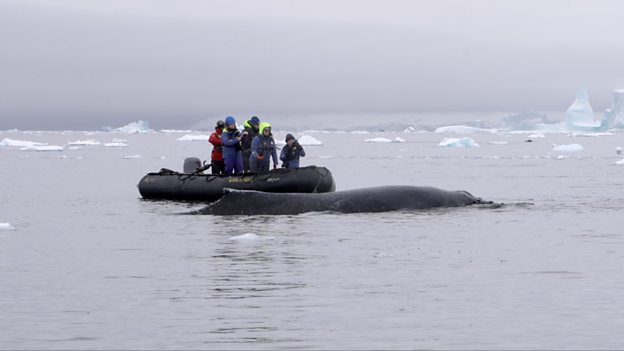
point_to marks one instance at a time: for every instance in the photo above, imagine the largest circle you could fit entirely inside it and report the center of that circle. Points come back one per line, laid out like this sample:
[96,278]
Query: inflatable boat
[187,186]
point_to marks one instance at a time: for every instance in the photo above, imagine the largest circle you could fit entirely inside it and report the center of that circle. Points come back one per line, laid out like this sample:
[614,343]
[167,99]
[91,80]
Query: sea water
[88,264]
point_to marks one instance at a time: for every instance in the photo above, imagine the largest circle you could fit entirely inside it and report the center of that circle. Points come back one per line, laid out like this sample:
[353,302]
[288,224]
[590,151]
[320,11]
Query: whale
[366,200]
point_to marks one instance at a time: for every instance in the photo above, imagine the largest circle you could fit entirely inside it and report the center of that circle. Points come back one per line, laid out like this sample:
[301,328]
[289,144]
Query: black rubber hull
[193,187]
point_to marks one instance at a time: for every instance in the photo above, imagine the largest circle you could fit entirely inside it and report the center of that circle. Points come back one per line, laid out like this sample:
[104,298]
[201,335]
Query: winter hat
[230,120]
[220,124]
[289,136]
[254,120]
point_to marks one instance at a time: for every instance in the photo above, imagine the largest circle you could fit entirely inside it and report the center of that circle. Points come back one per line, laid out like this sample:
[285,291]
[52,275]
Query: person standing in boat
[216,158]
[252,128]
[262,150]
[232,156]
[291,153]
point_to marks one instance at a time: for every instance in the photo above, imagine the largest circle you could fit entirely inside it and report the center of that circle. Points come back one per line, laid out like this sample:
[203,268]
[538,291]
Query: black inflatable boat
[171,185]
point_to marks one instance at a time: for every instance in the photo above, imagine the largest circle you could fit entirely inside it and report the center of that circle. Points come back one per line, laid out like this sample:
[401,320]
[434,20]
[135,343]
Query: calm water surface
[92,266]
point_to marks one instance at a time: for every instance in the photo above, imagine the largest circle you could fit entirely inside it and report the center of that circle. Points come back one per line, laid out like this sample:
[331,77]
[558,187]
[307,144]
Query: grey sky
[86,64]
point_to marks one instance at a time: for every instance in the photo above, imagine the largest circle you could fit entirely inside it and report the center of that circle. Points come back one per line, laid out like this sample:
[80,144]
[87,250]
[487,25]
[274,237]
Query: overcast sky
[76,64]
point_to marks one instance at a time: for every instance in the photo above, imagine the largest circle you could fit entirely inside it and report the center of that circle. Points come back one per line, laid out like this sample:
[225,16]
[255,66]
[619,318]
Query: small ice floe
[89,142]
[409,130]
[194,137]
[596,134]
[498,142]
[562,157]
[568,147]
[131,157]
[618,150]
[250,237]
[360,132]
[42,148]
[74,147]
[19,143]
[619,163]
[458,143]
[385,140]
[536,135]
[6,226]
[139,127]
[175,131]
[464,130]
[307,140]
[62,157]
[117,143]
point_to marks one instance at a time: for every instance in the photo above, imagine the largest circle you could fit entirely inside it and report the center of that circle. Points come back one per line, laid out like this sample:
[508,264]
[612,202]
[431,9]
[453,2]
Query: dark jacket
[290,155]
[249,133]
[261,149]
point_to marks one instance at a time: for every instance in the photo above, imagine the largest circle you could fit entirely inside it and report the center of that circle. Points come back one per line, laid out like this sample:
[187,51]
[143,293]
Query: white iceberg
[458,143]
[568,147]
[378,140]
[19,143]
[464,130]
[619,163]
[580,115]
[409,130]
[42,148]
[138,127]
[194,137]
[6,226]
[307,140]
[398,140]
[498,142]
[169,131]
[89,142]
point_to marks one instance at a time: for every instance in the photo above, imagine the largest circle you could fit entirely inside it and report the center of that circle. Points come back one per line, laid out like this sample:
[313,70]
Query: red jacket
[215,140]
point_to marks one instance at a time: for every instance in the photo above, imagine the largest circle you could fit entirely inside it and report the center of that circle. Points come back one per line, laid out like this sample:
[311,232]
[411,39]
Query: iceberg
[194,137]
[19,143]
[134,128]
[42,148]
[307,140]
[464,130]
[568,148]
[525,120]
[378,140]
[580,115]
[458,143]
[498,142]
[619,163]
[6,226]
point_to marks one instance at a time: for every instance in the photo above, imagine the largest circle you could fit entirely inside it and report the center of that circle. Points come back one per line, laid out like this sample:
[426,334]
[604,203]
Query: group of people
[236,152]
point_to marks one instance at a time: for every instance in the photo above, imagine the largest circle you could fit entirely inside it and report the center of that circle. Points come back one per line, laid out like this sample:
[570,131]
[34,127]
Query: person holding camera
[262,150]
[291,153]
[251,129]
[232,155]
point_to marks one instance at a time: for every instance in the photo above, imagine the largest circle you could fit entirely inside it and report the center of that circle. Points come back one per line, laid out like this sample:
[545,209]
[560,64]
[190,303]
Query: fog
[87,64]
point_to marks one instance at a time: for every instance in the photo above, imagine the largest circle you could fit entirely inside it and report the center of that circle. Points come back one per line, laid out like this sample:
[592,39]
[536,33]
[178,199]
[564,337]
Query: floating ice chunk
[537,135]
[176,130]
[619,163]
[116,144]
[464,130]
[378,140]
[398,140]
[90,142]
[6,226]
[618,150]
[562,157]
[62,157]
[360,132]
[568,148]
[498,142]
[130,157]
[409,130]
[595,134]
[42,148]
[19,143]
[250,237]
[194,137]
[458,143]
[307,140]
[134,128]
[74,147]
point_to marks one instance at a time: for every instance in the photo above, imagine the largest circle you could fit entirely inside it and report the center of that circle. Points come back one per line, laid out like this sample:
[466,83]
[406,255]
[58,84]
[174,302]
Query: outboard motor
[191,164]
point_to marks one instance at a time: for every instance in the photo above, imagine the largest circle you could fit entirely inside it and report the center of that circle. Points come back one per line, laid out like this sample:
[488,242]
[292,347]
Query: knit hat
[289,136]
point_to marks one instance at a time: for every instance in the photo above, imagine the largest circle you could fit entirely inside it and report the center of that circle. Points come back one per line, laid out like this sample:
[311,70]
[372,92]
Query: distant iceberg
[307,140]
[42,148]
[385,140]
[620,162]
[139,127]
[568,148]
[458,143]
[19,143]
[194,137]
[525,120]
[464,130]
[580,115]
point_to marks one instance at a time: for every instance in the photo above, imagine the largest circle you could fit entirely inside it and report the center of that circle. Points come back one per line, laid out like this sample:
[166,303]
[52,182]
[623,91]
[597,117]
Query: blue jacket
[261,145]
[290,155]
[231,146]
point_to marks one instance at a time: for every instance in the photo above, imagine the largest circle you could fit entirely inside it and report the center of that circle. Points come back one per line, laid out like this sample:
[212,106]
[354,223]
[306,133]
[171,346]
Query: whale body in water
[377,199]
